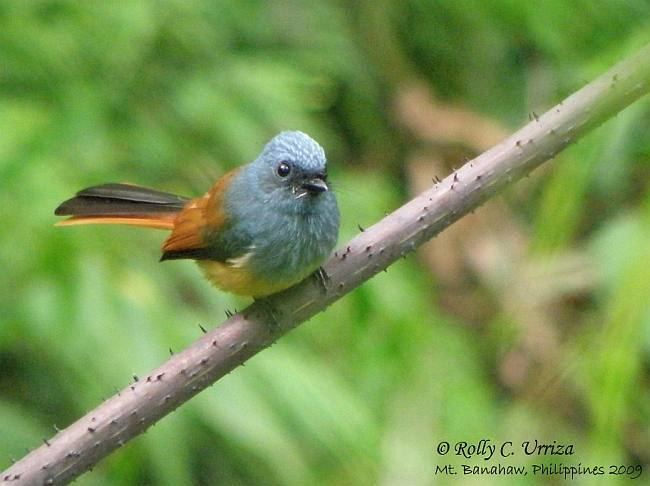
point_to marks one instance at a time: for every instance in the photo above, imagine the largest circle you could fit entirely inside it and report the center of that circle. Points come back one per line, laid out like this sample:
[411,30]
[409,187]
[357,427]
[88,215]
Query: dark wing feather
[193,253]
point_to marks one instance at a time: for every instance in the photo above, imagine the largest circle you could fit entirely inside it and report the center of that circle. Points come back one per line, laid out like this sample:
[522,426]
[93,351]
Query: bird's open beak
[315,185]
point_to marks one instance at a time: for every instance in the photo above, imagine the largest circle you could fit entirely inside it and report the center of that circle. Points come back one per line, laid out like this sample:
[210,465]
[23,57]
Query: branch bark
[129,413]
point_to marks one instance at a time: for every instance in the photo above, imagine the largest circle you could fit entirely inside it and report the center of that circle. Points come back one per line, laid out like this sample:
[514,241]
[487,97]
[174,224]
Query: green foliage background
[172,93]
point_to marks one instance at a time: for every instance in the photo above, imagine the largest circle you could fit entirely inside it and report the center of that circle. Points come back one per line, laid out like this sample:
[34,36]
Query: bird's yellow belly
[239,280]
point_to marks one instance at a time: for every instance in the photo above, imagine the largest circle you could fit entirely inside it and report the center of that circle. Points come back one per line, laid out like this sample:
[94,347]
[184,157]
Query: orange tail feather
[158,221]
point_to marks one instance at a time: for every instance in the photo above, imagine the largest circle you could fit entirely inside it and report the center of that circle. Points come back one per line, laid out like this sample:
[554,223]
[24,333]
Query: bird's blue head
[292,167]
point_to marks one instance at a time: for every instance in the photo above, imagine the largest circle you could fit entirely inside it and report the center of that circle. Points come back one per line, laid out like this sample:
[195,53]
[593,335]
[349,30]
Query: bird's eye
[284,169]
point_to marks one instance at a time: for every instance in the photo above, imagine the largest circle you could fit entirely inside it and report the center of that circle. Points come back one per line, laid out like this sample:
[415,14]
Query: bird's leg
[322,279]
[270,311]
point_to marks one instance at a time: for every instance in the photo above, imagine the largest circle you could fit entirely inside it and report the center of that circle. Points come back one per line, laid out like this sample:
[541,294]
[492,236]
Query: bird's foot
[269,311]
[322,279]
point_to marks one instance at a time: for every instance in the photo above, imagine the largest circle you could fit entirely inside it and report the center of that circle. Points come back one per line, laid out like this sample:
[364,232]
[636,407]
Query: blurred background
[527,320]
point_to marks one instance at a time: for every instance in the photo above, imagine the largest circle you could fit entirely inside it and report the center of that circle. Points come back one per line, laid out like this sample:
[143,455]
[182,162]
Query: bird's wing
[202,215]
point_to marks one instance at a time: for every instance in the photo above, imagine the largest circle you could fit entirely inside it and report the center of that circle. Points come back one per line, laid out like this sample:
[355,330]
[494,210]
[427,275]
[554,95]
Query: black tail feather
[120,200]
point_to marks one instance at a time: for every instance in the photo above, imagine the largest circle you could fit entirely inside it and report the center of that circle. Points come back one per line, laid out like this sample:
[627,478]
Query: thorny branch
[129,413]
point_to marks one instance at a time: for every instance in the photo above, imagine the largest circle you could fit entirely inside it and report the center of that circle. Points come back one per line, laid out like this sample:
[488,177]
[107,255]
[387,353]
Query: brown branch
[124,416]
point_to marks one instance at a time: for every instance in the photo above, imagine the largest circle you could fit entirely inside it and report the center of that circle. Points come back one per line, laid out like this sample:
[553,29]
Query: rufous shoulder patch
[199,214]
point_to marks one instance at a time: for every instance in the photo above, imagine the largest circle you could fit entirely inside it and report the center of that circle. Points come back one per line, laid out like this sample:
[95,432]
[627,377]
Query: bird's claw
[270,312]
[322,278]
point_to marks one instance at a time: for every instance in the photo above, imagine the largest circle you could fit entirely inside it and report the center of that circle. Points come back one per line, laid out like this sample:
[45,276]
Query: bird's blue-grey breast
[284,224]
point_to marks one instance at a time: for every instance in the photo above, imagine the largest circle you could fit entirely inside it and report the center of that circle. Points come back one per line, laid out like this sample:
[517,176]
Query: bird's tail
[122,204]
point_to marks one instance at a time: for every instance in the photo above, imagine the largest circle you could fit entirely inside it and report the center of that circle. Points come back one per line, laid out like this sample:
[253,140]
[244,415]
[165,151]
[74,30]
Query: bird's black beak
[315,185]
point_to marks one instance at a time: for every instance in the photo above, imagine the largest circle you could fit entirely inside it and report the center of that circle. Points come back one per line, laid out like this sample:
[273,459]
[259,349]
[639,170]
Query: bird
[260,229]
